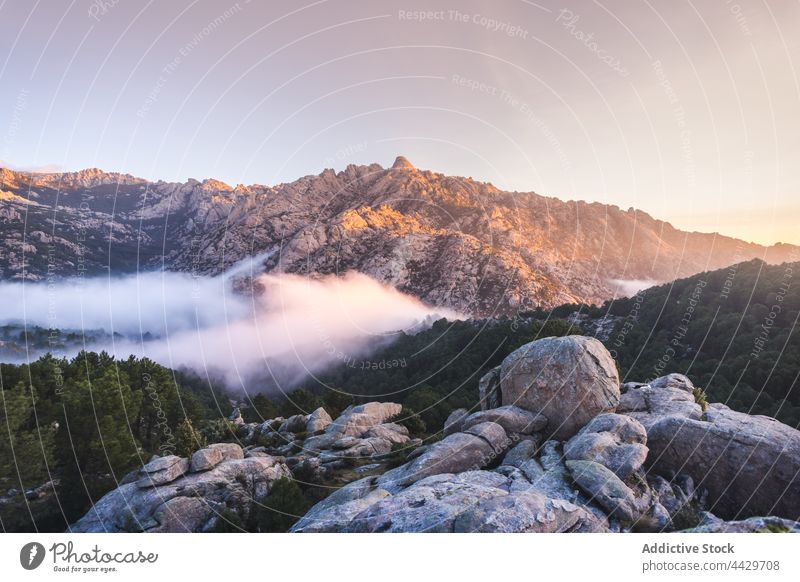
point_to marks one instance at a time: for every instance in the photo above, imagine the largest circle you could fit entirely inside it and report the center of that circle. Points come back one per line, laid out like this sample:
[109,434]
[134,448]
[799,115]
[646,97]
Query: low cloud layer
[294,327]
[630,287]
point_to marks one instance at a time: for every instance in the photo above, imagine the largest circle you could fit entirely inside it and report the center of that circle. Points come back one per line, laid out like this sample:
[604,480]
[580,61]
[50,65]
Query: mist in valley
[268,340]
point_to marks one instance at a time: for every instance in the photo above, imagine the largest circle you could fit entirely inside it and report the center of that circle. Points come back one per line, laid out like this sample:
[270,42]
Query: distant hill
[450,241]
[733,331]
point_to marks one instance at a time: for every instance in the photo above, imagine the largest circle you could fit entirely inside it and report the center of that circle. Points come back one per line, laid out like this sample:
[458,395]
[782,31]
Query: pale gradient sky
[696,120]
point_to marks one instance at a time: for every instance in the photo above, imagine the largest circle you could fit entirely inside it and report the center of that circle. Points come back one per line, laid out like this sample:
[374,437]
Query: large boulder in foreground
[750,465]
[569,380]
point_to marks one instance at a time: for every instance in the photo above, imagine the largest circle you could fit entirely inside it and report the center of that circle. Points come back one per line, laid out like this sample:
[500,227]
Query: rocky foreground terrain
[451,241]
[558,446]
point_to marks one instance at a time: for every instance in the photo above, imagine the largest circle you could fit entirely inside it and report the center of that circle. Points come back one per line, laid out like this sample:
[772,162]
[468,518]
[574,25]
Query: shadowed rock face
[489,389]
[190,502]
[750,465]
[569,380]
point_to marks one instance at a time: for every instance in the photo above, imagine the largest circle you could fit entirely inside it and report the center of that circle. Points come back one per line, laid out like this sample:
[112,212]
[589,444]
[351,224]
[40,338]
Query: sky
[687,110]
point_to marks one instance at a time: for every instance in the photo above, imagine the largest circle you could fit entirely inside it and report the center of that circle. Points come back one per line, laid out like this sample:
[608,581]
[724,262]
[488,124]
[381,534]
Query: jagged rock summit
[652,458]
[451,241]
[402,163]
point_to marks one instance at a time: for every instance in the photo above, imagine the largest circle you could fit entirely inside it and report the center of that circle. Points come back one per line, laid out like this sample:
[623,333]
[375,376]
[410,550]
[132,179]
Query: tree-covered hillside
[75,428]
[733,331]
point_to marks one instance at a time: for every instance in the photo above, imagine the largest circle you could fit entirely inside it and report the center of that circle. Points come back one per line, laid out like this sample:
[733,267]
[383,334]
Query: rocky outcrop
[671,395]
[320,450]
[660,463]
[318,421]
[750,465]
[747,465]
[355,433]
[569,380]
[615,441]
[186,502]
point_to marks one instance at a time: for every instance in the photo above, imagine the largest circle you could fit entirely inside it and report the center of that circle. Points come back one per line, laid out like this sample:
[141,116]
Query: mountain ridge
[451,241]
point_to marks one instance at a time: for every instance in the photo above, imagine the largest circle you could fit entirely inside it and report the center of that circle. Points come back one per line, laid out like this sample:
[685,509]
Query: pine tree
[188,439]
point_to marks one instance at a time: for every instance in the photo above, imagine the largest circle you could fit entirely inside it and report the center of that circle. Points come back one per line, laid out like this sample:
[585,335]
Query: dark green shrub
[277,511]
[336,401]
[188,439]
[228,522]
[412,421]
[300,402]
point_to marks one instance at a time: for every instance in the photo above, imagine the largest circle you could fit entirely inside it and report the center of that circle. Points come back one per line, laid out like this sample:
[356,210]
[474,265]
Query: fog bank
[294,326]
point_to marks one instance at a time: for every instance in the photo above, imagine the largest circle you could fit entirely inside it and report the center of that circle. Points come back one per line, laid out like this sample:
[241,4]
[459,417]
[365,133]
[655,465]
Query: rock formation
[170,494]
[567,379]
[749,465]
[621,468]
[641,457]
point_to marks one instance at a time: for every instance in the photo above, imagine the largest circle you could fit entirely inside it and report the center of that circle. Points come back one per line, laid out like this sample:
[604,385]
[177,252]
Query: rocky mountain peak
[451,241]
[86,178]
[402,163]
[8,178]
[212,185]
